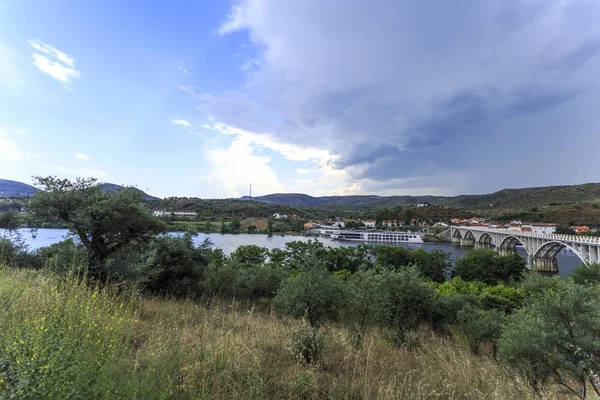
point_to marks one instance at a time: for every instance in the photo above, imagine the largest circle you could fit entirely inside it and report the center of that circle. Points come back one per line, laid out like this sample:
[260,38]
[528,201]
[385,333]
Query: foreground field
[63,339]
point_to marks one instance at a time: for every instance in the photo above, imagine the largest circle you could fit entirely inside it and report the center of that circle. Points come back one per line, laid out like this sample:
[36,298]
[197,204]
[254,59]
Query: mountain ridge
[9,188]
[533,196]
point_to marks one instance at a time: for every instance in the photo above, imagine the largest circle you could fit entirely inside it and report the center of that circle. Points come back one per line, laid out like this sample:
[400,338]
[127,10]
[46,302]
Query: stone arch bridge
[541,249]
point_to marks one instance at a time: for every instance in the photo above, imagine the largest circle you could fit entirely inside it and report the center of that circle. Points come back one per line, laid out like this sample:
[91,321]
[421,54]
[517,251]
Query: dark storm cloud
[420,88]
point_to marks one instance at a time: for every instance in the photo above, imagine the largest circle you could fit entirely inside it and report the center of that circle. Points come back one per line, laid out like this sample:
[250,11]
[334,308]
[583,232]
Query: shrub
[489,267]
[556,337]
[313,292]
[60,339]
[586,274]
[481,326]
[306,343]
[407,300]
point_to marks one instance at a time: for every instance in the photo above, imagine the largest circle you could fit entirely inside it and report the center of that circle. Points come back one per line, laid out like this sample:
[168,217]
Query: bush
[489,267]
[59,339]
[313,292]
[556,337]
[481,326]
[307,344]
[407,299]
[586,274]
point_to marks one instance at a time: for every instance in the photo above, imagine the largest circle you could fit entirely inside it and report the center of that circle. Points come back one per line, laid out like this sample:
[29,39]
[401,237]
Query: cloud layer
[405,92]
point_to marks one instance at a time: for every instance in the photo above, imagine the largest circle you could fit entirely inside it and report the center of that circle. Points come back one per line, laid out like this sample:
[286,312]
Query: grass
[63,339]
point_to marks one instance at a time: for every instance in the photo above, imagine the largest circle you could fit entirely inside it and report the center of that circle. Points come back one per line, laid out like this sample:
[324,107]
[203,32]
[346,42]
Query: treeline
[229,208]
[405,214]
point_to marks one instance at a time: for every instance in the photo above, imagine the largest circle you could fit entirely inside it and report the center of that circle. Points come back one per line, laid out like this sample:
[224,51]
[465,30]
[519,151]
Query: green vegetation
[153,316]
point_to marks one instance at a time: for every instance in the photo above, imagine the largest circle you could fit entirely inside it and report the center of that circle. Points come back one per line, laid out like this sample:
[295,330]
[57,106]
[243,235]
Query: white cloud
[183,71]
[292,152]
[21,131]
[235,168]
[9,150]
[181,122]
[303,171]
[80,172]
[53,62]
[83,156]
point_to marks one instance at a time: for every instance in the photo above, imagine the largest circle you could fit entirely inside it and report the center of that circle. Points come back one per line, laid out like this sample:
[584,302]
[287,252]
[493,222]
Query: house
[279,216]
[309,225]
[543,228]
[423,204]
[184,213]
[581,228]
[175,213]
[440,224]
[369,223]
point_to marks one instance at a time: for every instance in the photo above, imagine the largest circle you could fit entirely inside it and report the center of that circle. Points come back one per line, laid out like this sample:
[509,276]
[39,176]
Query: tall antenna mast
[250,191]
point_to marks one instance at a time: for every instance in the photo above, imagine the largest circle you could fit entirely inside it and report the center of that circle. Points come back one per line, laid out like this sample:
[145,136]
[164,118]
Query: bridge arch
[544,258]
[509,243]
[485,240]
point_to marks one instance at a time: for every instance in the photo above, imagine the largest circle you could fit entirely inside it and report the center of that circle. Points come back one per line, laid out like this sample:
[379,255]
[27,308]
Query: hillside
[15,189]
[506,198]
[106,187]
[227,208]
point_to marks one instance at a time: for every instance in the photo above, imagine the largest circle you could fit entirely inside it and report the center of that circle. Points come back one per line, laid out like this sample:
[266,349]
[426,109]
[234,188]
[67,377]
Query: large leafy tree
[104,221]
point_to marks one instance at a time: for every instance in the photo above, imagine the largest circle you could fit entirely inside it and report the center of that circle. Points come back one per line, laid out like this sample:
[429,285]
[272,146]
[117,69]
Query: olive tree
[105,221]
[556,337]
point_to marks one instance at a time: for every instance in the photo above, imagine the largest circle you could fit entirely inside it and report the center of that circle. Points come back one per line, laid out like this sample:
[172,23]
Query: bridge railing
[554,236]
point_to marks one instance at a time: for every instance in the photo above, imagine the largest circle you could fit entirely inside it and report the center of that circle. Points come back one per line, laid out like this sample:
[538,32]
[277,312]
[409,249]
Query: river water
[567,261]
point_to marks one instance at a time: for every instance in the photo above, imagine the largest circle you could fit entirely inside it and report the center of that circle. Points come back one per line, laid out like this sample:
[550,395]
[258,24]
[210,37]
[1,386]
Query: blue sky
[202,98]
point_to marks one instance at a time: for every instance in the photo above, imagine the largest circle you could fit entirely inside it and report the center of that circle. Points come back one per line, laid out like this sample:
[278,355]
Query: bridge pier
[546,266]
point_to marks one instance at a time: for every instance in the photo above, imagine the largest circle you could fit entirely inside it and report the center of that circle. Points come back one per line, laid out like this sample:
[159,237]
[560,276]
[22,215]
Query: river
[567,261]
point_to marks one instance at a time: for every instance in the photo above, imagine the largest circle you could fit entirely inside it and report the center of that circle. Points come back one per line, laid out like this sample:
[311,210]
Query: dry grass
[231,352]
[181,350]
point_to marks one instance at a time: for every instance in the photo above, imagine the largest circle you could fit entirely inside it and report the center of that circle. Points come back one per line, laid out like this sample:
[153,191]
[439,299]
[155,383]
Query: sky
[201,98]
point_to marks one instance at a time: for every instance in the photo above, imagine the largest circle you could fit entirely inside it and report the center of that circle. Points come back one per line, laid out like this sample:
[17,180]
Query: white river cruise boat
[378,236]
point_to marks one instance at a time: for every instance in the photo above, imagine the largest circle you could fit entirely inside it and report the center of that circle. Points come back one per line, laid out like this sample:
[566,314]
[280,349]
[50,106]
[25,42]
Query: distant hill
[107,187]
[19,189]
[15,189]
[506,198]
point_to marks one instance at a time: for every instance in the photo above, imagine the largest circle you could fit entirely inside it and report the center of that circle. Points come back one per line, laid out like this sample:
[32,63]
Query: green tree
[250,255]
[435,265]
[252,229]
[556,337]
[270,227]
[313,292]
[235,225]
[489,267]
[208,226]
[587,274]
[104,221]
[224,227]
[481,326]
[407,300]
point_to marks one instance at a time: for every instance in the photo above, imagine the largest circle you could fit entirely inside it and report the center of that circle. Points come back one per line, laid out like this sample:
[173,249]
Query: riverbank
[230,242]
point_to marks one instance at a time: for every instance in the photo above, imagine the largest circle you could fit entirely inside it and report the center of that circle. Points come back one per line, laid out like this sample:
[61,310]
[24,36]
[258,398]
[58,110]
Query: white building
[279,216]
[369,223]
[423,204]
[441,224]
[541,229]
